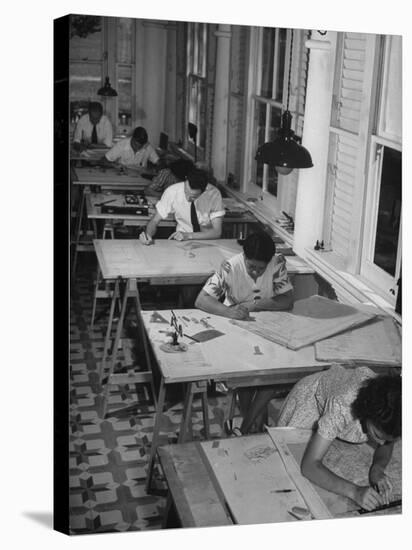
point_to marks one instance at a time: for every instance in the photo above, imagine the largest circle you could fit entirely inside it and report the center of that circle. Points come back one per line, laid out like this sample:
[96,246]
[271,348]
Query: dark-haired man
[133,152]
[196,205]
[93,129]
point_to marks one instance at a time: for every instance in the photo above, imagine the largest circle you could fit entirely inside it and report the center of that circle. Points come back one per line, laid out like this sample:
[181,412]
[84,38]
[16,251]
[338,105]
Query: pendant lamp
[107,90]
[285,152]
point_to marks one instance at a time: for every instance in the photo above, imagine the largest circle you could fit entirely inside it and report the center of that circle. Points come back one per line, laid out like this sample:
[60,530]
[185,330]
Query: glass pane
[84,81]
[124,40]
[260,124]
[190,48]
[86,38]
[281,64]
[275,123]
[201,68]
[124,89]
[268,52]
[389,212]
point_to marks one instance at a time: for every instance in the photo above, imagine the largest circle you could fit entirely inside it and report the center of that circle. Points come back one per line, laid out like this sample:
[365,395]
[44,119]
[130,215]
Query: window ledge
[264,212]
[352,288]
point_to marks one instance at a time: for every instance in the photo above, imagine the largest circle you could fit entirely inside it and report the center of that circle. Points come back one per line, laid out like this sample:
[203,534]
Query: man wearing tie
[197,206]
[93,129]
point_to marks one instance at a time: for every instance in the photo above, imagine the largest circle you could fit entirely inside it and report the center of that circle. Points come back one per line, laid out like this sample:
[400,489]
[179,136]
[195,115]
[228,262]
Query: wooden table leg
[108,331]
[77,232]
[115,346]
[187,412]
[206,414]
[156,430]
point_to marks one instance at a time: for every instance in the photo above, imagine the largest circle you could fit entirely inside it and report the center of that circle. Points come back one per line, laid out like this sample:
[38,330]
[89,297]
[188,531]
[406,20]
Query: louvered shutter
[347,145]
[238,65]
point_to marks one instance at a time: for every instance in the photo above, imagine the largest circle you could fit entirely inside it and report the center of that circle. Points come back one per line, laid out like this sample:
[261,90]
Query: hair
[259,246]
[95,106]
[140,135]
[197,179]
[379,400]
[181,168]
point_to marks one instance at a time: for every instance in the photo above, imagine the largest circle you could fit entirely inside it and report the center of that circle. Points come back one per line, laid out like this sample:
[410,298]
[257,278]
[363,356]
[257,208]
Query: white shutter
[349,93]
[351,117]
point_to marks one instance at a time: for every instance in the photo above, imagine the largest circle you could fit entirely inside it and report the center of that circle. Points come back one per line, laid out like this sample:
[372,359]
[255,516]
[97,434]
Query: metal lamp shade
[284,152]
[107,90]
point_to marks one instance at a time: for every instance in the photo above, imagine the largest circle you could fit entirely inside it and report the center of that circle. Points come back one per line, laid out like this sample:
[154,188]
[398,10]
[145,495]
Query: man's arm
[213,233]
[146,237]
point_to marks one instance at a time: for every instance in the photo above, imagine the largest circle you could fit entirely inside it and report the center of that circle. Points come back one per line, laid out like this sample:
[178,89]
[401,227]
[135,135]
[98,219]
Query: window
[101,47]
[381,255]
[196,79]
[268,102]
[267,93]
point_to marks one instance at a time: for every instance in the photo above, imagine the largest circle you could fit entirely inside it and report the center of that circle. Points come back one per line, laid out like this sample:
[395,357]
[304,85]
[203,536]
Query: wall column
[221,103]
[151,78]
[310,199]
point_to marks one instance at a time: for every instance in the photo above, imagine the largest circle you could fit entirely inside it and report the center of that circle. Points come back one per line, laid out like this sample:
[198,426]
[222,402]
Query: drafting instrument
[105,202]
[191,338]
[392,504]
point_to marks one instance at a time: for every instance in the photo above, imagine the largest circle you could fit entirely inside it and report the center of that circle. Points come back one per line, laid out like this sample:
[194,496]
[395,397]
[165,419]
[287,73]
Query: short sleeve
[332,423]
[78,130]
[217,284]
[113,154]
[153,156]
[281,282]
[165,204]
[108,133]
[216,205]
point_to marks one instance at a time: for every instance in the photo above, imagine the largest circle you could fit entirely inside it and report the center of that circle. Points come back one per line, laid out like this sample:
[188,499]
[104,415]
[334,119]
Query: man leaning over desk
[93,129]
[133,152]
[197,206]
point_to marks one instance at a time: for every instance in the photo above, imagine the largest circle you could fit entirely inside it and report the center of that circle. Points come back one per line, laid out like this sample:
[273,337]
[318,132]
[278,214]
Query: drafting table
[106,177]
[236,215]
[240,480]
[236,356]
[111,177]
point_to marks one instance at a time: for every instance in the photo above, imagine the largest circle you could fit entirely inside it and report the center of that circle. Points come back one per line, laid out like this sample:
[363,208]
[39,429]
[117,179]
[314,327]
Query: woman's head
[378,406]
[258,250]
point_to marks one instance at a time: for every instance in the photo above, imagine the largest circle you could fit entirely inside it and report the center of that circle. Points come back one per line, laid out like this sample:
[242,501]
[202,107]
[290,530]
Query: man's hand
[239,312]
[144,238]
[179,236]
[380,482]
[368,498]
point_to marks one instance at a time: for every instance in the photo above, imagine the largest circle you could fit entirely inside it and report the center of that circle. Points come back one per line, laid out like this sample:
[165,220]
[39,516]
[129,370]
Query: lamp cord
[290,68]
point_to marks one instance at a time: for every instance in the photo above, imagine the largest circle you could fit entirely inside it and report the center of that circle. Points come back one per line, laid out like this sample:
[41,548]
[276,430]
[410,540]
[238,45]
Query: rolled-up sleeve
[164,206]
[281,282]
[114,153]
[217,209]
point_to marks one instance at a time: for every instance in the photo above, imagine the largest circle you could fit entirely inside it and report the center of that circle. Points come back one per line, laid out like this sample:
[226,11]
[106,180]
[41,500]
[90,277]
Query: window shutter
[238,65]
[350,121]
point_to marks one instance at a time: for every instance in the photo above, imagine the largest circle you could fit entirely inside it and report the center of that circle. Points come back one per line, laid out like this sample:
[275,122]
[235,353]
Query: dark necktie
[193,218]
[94,134]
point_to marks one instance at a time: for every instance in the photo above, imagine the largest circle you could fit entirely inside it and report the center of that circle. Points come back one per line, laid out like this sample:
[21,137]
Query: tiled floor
[108,458]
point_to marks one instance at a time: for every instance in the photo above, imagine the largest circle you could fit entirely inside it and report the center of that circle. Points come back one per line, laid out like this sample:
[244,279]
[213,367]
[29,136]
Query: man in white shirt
[197,207]
[134,152]
[93,129]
